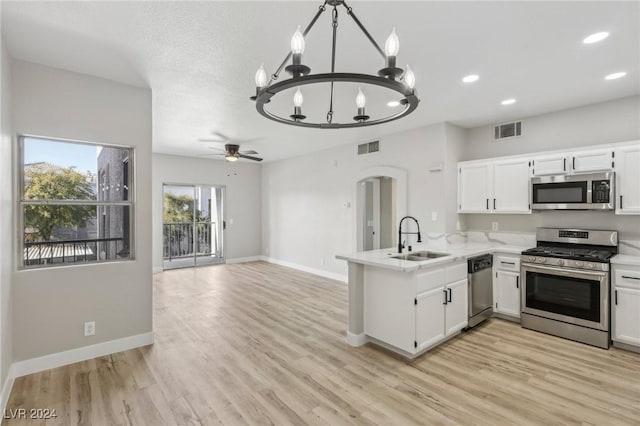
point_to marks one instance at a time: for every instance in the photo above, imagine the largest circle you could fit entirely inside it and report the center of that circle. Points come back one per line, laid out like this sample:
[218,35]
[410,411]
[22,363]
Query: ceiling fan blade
[217,149]
[250,152]
[222,136]
[209,155]
[248,157]
[211,141]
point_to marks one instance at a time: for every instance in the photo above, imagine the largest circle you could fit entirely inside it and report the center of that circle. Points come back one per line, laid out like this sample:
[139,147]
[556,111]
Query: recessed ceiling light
[594,38]
[393,103]
[508,102]
[615,75]
[470,78]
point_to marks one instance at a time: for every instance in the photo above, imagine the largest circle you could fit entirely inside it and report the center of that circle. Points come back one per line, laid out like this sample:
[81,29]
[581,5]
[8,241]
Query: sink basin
[418,256]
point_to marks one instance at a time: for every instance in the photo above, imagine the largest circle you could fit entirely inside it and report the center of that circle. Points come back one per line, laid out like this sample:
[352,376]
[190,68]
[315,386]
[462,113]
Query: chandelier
[390,77]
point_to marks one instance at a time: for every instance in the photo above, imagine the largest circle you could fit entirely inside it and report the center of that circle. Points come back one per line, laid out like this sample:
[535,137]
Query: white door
[430,318]
[456,309]
[626,316]
[507,293]
[549,165]
[628,180]
[474,188]
[511,186]
[591,161]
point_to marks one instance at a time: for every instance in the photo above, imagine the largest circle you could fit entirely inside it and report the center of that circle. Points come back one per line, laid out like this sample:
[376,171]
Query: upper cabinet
[549,165]
[574,162]
[627,164]
[503,185]
[475,187]
[511,186]
[592,161]
[494,187]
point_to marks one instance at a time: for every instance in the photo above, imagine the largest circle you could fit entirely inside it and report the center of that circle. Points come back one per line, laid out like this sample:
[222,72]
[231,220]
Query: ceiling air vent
[368,148]
[507,130]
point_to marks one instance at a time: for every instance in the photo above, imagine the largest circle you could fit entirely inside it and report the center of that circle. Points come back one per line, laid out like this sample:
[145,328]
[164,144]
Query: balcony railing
[180,241]
[72,251]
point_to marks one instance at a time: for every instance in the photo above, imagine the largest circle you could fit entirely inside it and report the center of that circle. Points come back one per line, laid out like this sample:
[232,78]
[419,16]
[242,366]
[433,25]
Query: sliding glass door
[192,225]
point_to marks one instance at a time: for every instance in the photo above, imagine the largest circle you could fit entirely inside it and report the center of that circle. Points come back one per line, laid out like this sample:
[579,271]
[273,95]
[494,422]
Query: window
[75,204]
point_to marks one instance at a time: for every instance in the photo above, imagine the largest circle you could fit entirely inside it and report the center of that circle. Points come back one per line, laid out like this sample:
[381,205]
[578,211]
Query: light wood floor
[262,344]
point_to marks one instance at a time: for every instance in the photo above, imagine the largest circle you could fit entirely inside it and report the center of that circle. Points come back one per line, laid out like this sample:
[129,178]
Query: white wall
[305,219]
[243,199]
[605,122]
[602,123]
[6,218]
[50,305]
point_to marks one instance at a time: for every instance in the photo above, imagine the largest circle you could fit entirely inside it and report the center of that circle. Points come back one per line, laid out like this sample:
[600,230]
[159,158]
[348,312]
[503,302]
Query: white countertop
[625,259]
[382,258]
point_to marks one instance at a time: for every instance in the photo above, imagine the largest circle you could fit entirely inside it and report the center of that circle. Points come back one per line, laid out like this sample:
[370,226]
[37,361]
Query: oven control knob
[542,260]
[591,265]
[560,262]
[532,258]
[579,264]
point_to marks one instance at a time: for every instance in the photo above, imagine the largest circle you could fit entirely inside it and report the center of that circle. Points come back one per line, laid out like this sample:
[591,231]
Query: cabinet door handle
[621,202]
[631,278]
[615,293]
[507,263]
[487,204]
[564,165]
[449,300]
[574,163]
[494,203]
[445,297]
[517,282]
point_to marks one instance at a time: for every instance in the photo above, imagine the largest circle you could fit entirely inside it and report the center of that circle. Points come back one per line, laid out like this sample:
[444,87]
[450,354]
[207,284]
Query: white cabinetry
[626,305]
[415,311]
[474,187]
[555,164]
[627,163]
[494,187]
[511,186]
[592,161]
[506,285]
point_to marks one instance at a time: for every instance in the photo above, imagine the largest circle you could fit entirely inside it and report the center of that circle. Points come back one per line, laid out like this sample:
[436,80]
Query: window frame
[22,202]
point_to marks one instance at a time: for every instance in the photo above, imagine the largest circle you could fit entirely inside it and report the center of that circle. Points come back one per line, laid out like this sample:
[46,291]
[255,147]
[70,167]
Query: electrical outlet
[494,226]
[434,216]
[457,225]
[89,328]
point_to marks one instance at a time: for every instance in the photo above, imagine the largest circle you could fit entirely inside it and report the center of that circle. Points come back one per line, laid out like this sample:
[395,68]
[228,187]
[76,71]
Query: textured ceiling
[199,59]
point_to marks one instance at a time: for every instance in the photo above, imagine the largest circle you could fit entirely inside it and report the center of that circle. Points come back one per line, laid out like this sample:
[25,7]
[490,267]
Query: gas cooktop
[586,254]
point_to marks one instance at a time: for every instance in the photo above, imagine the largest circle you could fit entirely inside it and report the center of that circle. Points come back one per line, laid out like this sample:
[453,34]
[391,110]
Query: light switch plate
[494,226]
[434,216]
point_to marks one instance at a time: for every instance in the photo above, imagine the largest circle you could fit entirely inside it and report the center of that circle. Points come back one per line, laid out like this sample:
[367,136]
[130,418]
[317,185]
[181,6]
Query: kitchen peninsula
[410,306]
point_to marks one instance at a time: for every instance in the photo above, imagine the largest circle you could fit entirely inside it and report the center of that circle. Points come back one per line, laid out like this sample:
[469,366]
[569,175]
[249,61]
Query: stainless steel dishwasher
[480,288]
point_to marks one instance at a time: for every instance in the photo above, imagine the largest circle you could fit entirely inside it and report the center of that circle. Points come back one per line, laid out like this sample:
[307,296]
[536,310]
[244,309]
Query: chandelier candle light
[390,77]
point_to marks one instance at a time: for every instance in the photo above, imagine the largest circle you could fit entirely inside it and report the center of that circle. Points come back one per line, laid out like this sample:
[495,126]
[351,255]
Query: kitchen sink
[418,256]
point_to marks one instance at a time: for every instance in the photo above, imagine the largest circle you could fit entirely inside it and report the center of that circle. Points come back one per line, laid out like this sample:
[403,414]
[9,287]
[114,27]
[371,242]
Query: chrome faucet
[400,233]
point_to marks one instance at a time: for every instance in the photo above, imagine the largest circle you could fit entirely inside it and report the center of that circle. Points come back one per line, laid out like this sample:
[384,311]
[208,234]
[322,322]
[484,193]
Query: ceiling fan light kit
[390,77]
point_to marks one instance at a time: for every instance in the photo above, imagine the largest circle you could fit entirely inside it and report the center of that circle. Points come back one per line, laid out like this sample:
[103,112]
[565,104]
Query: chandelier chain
[334,24]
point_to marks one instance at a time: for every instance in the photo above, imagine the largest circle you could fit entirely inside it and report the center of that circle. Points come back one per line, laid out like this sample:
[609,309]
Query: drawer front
[507,263]
[426,281]
[626,278]
[456,272]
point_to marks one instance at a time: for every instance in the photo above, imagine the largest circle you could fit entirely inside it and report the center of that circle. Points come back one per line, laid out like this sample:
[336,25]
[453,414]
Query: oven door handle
[565,272]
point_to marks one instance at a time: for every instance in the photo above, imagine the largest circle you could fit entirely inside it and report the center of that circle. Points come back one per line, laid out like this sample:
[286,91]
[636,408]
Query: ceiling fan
[231,149]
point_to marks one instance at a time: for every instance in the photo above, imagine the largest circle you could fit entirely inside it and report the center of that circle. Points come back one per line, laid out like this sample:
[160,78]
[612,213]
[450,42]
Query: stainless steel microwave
[592,191]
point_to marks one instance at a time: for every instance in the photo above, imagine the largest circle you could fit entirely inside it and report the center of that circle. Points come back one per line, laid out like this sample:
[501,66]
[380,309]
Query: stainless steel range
[565,290]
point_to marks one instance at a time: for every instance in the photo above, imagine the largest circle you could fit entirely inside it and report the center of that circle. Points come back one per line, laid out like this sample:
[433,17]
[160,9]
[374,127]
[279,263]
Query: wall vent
[368,148]
[507,130]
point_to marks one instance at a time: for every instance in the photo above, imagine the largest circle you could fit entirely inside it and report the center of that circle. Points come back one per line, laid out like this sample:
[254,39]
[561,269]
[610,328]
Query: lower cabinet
[625,311]
[506,285]
[413,311]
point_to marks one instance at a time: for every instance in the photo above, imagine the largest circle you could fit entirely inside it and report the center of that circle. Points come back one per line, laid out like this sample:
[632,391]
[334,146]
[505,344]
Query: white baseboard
[157,269]
[320,272]
[243,259]
[6,389]
[356,339]
[35,365]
